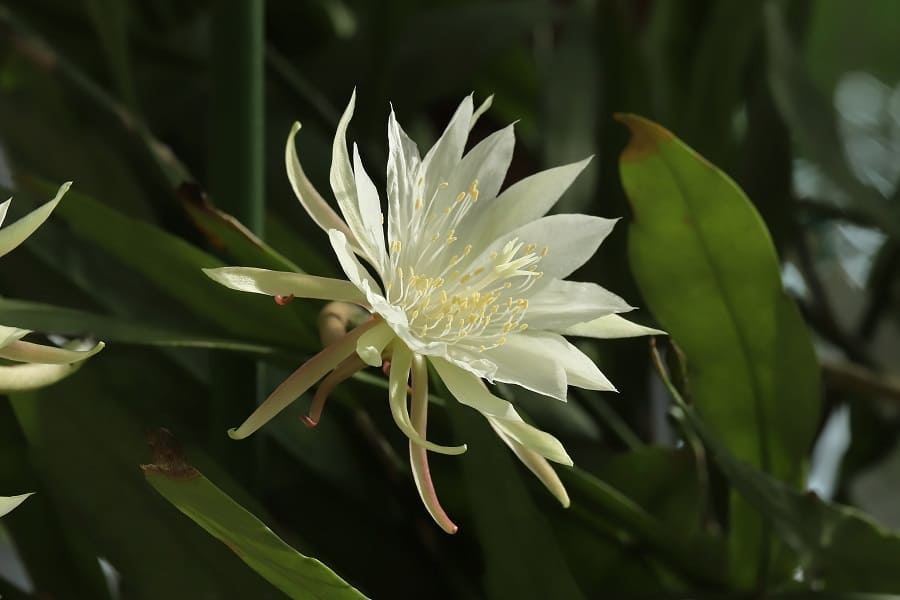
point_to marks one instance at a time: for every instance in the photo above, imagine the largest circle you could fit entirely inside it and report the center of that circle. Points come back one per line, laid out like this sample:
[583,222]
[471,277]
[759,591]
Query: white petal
[9,503]
[471,391]
[443,157]
[301,380]
[538,465]
[528,199]
[562,303]
[282,283]
[4,207]
[482,108]
[16,233]
[22,378]
[8,335]
[36,353]
[343,184]
[611,326]
[546,363]
[373,342]
[401,362]
[370,211]
[313,202]
[402,172]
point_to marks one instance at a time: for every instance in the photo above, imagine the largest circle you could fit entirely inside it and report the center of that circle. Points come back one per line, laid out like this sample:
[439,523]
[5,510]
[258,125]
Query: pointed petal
[610,326]
[527,200]
[402,174]
[482,108]
[36,353]
[443,157]
[562,303]
[8,335]
[313,202]
[343,184]
[370,212]
[471,391]
[4,207]
[538,465]
[418,456]
[22,378]
[282,283]
[401,363]
[301,380]
[9,503]
[546,363]
[373,342]
[16,233]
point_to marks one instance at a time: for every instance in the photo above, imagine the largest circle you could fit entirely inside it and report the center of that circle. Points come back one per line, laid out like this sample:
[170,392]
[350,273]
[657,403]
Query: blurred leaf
[517,542]
[55,319]
[811,118]
[706,266]
[840,548]
[296,575]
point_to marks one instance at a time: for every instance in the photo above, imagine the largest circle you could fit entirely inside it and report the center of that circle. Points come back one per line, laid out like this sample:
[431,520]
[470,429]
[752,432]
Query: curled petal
[315,205]
[13,235]
[301,380]
[344,371]
[372,343]
[397,383]
[8,335]
[282,283]
[482,108]
[36,353]
[418,456]
[610,326]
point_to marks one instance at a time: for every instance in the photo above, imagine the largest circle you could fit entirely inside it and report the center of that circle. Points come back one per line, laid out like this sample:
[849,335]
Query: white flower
[469,280]
[47,364]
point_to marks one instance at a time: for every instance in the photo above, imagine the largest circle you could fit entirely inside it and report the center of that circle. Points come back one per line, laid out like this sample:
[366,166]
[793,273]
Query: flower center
[451,294]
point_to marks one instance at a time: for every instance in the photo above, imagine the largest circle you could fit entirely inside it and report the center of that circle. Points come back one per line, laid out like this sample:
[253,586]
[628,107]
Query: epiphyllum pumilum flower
[468,280]
[45,364]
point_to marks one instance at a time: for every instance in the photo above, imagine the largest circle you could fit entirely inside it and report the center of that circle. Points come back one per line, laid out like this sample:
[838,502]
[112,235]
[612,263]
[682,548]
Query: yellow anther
[467,249]
[544,251]
[523,326]
[478,271]
[443,184]
[446,211]
[506,286]
[465,278]
[438,282]
[529,248]
[494,256]
[443,297]
[501,341]
[460,196]
[418,203]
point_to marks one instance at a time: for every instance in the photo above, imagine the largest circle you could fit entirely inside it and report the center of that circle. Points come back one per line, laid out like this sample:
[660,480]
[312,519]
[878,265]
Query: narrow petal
[373,342]
[4,207]
[471,391]
[343,184]
[10,503]
[370,211]
[401,363]
[23,378]
[313,202]
[301,380]
[538,465]
[16,233]
[528,199]
[342,372]
[562,303]
[282,283]
[482,108]
[37,353]
[546,363]
[8,335]
[402,174]
[609,327]
[443,157]
[418,456]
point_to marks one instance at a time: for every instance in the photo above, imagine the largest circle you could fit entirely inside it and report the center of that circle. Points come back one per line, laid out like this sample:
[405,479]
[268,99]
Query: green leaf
[296,575]
[840,547]
[68,321]
[708,270]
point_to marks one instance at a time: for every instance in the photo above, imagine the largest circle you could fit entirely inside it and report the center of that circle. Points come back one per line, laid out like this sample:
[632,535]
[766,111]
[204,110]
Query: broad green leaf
[68,321]
[296,575]
[708,270]
[840,548]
